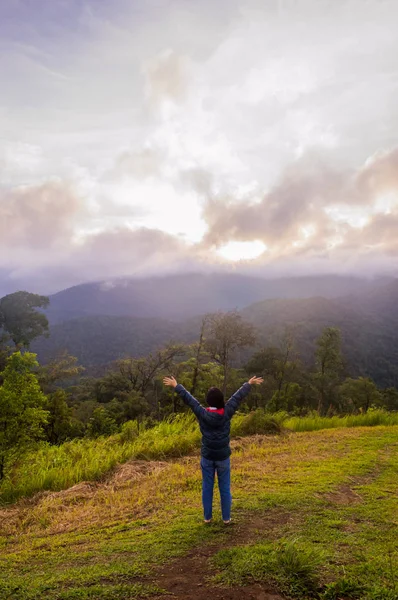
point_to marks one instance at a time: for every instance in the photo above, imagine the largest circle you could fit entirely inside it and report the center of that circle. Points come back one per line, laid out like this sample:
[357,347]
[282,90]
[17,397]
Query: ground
[315,515]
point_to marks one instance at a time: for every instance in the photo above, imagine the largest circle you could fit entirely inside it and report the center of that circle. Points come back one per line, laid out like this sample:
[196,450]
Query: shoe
[208,520]
[227,522]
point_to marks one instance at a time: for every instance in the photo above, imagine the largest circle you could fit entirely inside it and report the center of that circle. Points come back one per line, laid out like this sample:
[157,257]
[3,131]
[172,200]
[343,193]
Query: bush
[129,432]
[256,422]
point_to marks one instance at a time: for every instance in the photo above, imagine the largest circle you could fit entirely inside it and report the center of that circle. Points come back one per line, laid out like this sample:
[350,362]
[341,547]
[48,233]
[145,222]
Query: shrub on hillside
[256,422]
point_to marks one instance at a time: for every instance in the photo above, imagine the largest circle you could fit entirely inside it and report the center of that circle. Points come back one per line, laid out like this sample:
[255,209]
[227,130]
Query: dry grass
[139,489]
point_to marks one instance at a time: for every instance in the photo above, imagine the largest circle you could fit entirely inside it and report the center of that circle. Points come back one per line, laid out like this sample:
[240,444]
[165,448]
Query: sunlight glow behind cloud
[242,250]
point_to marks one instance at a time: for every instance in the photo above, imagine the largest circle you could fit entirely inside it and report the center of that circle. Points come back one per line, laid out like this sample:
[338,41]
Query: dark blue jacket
[215,428]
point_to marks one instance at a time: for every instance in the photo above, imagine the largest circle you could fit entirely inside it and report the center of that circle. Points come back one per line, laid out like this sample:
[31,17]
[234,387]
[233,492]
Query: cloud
[38,217]
[137,164]
[126,122]
[166,77]
[42,249]
[314,209]
[314,218]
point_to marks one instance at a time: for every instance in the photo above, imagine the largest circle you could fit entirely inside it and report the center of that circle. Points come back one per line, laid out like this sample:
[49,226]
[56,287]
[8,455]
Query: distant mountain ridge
[178,297]
[368,320]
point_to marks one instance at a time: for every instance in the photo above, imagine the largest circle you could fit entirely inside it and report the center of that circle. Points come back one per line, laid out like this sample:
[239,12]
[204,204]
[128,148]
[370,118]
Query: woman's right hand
[256,380]
[171,381]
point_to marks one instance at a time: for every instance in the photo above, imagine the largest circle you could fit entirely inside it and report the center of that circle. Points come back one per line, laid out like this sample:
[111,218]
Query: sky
[148,138]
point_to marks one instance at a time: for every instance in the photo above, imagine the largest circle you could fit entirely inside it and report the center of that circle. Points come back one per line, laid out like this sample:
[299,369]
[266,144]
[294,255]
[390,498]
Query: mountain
[380,302]
[368,321]
[101,339]
[178,297]
[369,338]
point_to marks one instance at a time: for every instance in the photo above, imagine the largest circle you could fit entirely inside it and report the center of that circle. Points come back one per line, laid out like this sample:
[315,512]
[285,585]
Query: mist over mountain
[179,297]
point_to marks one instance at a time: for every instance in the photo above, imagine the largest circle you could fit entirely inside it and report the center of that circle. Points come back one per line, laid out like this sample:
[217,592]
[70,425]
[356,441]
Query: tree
[286,398]
[285,366]
[227,333]
[264,362]
[360,394]
[101,423]
[141,372]
[112,385]
[278,366]
[390,398]
[22,413]
[329,366]
[20,320]
[199,353]
[59,422]
[58,370]
[131,408]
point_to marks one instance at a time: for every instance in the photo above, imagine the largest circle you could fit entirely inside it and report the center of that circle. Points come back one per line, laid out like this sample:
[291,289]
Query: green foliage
[390,399]
[20,320]
[131,406]
[286,399]
[343,588]
[329,365]
[129,431]
[101,423]
[359,394]
[59,467]
[59,421]
[256,422]
[227,332]
[22,413]
[57,371]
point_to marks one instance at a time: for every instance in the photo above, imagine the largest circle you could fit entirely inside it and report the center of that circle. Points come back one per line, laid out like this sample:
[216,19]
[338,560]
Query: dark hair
[215,398]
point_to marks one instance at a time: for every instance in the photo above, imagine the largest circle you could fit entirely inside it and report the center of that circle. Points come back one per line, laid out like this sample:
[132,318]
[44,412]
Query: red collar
[219,411]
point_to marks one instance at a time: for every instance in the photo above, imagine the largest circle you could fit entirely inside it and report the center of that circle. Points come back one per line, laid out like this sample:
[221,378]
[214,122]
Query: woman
[215,425]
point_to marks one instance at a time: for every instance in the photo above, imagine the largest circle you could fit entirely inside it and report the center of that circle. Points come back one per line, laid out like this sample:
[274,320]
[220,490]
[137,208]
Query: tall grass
[60,467]
[314,422]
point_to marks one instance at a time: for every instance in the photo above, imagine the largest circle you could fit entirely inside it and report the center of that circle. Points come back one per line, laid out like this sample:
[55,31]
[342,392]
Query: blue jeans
[223,468]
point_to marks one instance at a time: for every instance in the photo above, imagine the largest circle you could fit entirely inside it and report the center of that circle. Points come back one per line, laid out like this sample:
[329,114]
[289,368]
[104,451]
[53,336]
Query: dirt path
[189,577]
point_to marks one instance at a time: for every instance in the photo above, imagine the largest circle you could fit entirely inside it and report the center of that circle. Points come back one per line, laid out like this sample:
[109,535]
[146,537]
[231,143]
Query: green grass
[60,467]
[345,541]
[315,423]
[292,567]
[326,503]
